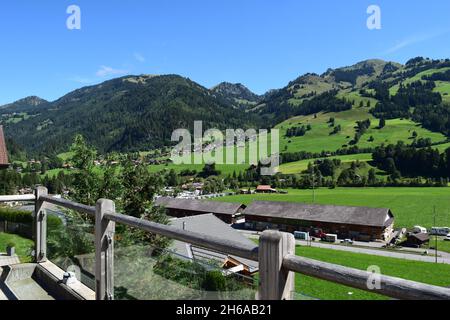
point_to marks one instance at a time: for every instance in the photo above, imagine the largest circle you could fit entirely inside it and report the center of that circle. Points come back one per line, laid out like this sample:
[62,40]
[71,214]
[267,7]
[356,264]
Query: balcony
[108,266]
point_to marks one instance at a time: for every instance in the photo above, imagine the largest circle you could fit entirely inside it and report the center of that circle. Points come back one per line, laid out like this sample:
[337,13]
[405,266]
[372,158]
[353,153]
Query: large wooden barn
[3,152]
[179,208]
[358,223]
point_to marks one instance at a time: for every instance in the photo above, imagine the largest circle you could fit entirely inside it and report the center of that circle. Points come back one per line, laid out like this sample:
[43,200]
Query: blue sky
[262,44]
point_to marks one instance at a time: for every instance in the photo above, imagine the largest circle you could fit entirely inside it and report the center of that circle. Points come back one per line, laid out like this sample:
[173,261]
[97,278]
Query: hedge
[25,217]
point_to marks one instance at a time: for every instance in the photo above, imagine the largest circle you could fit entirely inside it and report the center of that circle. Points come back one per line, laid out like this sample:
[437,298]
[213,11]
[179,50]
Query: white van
[332,238]
[419,229]
[301,235]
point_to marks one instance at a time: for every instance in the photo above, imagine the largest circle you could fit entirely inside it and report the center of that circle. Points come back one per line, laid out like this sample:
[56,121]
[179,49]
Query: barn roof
[199,205]
[264,187]
[208,224]
[3,151]
[423,237]
[377,217]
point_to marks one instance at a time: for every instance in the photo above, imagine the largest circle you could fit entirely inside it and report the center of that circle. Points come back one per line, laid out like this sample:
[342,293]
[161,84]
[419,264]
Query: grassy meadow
[23,246]
[299,166]
[320,138]
[418,77]
[411,206]
[435,274]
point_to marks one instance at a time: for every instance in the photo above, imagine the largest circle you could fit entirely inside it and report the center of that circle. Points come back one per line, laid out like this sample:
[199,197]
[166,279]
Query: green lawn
[23,246]
[418,77]
[442,147]
[435,274]
[299,166]
[411,206]
[444,89]
[442,245]
[320,138]
[65,156]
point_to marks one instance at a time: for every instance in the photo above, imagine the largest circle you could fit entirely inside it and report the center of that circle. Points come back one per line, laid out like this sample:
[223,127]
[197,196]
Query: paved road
[377,252]
[372,249]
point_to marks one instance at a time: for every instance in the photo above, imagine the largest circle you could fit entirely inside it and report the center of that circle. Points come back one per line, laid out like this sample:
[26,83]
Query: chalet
[3,152]
[265,189]
[417,239]
[358,223]
[208,224]
[227,212]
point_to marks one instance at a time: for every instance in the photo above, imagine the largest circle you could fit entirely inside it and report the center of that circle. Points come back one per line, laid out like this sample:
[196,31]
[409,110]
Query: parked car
[447,238]
[347,241]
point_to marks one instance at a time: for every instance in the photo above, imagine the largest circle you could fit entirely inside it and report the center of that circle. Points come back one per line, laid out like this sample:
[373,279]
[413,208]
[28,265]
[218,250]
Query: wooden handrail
[208,242]
[389,286]
[82,208]
[198,239]
[25,197]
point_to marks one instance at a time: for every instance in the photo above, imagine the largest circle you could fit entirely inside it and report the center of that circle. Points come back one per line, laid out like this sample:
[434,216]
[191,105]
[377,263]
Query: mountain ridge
[138,112]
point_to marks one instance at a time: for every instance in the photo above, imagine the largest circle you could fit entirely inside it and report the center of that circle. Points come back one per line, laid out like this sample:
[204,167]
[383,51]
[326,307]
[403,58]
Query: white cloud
[139,57]
[418,38]
[106,71]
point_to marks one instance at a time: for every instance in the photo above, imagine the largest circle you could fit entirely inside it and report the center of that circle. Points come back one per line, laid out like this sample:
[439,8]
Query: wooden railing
[275,254]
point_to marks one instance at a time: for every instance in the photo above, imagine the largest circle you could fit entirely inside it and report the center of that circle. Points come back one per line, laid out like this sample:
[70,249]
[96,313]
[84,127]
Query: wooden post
[40,226]
[275,283]
[104,250]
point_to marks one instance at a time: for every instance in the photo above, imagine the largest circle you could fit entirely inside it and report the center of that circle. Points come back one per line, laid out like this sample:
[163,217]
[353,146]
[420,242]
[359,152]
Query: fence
[275,254]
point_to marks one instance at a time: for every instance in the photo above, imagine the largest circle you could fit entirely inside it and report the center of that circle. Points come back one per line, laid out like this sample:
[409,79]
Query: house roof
[199,205]
[264,187]
[424,237]
[3,151]
[210,225]
[377,217]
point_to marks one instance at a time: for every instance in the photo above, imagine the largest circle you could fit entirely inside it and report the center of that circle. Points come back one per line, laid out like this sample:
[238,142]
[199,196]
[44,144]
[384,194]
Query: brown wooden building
[417,239]
[227,212]
[358,223]
[3,152]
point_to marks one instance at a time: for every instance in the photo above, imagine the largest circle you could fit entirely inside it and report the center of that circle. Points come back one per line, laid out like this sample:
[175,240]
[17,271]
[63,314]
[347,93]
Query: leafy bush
[195,275]
[18,216]
[10,245]
[214,281]
[25,217]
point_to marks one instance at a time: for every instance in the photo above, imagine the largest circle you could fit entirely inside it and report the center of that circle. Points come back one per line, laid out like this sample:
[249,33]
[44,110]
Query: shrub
[214,281]
[17,216]
[10,245]
[25,217]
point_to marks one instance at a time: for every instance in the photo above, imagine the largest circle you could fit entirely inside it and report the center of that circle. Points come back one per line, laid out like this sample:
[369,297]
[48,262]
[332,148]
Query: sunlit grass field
[300,166]
[435,274]
[320,138]
[411,206]
[23,246]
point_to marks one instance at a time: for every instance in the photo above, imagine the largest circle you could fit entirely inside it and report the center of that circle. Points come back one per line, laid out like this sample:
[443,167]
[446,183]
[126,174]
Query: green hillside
[139,113]
[300,166]
[320,138]
[126,114]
